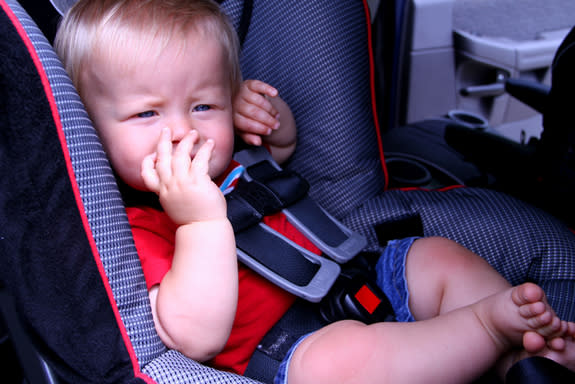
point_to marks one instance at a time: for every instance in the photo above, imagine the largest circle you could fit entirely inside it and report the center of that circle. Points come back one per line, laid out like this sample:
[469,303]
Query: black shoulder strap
[265,189]
[326,232]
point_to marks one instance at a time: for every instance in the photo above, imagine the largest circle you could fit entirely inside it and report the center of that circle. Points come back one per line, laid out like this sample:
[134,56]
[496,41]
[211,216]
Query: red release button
[367,299]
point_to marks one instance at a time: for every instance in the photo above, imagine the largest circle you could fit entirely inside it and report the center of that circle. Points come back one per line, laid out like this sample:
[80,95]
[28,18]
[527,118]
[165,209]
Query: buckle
[355,296]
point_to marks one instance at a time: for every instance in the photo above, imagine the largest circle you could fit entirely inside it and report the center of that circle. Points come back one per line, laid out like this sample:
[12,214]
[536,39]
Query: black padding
[539,370]
[311,216]
[557,146]
[286,186]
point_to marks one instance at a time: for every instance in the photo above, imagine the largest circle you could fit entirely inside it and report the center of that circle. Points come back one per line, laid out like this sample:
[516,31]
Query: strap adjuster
[285,186]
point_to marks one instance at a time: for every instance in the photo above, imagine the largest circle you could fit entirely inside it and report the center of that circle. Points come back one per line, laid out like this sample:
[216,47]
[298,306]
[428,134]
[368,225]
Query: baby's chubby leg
[442,275]
[457,346]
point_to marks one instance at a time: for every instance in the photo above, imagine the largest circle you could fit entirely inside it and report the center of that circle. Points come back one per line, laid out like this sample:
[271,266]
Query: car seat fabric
[67,252]
[321,67]
[522,242]
[316,64]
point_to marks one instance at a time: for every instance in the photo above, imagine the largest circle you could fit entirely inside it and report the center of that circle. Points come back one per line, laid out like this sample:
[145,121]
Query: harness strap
[268,252]
[265,189]
[328,234]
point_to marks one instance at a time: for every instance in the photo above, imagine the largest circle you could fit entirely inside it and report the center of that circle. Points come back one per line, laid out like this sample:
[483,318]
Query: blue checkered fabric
[316,54]
[522,242]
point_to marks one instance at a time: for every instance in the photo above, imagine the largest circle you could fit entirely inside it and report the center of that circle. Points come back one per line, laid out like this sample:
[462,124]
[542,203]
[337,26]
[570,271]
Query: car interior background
[65,245]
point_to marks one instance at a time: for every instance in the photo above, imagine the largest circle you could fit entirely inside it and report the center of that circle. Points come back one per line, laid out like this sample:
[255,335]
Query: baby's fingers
[262,88]
[200,163]
[248,125]
[149,174]
[251,139]
[181,160]
[256,95]
[164,154]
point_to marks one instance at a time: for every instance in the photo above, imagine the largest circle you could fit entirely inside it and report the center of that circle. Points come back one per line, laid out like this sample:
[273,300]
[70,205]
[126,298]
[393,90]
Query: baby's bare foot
[520,317]
[539,316]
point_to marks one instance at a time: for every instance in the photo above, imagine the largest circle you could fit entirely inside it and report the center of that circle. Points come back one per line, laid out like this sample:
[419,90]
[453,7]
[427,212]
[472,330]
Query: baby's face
[131,101]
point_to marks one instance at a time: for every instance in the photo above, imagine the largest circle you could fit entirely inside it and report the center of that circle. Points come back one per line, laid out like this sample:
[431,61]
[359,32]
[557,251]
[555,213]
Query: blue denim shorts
[282,374]
[390,270]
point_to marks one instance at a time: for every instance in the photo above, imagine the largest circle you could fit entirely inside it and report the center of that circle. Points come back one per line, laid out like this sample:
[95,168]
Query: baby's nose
[180,129]
[188,143]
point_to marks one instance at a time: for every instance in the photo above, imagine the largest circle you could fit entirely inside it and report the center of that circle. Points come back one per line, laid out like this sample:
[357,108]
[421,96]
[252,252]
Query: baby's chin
[218,167]
[140,187]
[136,184]
[215,176]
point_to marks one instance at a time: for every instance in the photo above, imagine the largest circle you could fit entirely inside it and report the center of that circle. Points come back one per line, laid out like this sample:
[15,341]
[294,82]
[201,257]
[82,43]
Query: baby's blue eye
[202,108]
[146,114]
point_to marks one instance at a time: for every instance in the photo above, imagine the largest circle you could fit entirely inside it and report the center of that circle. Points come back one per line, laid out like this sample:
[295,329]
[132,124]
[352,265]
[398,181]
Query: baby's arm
[195,304]
[261,116]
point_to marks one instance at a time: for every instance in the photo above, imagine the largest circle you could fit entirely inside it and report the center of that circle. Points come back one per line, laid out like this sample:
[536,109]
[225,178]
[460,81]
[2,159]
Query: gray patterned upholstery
[520,241]
[320,66]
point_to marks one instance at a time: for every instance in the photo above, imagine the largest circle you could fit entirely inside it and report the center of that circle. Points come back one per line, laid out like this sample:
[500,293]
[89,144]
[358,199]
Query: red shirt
[260,303]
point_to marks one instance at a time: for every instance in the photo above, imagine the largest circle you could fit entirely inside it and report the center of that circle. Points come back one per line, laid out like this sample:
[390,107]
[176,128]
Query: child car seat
[68,259]
[67,253]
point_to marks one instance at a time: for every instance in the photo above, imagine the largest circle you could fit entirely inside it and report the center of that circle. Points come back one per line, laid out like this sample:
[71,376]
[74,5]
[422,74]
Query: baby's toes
[557,344]
[533,342]
[537,310]
[527,293]
[544,327]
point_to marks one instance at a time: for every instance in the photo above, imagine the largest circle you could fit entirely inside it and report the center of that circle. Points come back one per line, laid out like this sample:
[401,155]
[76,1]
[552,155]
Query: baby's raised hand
[254,114]
[186,191]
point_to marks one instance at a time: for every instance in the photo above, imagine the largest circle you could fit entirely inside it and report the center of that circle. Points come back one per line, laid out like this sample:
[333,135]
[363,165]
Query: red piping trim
[372,89]
[56,116]
[442,189]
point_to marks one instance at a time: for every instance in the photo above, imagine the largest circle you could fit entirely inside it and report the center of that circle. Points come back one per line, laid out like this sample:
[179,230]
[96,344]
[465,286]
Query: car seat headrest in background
[322,69]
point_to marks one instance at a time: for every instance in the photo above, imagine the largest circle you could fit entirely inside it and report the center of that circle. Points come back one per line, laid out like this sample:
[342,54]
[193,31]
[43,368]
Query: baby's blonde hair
[110,27]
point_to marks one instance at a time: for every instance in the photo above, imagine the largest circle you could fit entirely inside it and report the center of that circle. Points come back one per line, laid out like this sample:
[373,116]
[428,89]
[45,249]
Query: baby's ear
[62,6]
